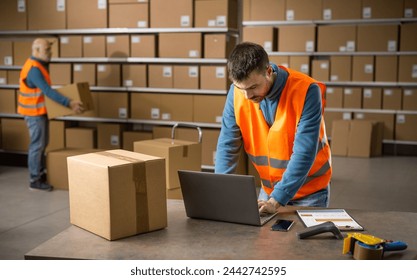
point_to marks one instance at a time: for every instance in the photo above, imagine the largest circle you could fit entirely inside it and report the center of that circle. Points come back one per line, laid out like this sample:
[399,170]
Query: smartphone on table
[282,225]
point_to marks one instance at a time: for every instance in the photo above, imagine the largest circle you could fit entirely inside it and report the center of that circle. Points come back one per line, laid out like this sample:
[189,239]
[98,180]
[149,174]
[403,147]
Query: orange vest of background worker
[270,148]
[31,101]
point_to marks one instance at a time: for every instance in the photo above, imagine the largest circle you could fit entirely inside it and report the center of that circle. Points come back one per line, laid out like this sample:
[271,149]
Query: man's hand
[270,206]
[77,106]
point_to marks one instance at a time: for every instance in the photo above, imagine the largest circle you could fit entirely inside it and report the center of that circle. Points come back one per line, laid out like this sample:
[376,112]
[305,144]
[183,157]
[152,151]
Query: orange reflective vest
[31,101]
[270,148]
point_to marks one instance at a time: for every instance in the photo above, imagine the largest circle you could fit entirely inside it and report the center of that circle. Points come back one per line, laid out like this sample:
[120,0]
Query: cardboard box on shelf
[178,154]
[143,45]
[218,45]
[54,11]
[118,46]
[409,99]
[56,164]
[13,77]
[109,75]
[6,53]
[410,8]
[22,50]
[215,13]
[109,135]
[303,10]
[113,105]
[78,91]
[214,77]
[387,118]
[340,68]
[334,97]
[145,106]
[117,193]
[372,98]
[336,38]
[176,107]
[264,10]
[15,135]
[382,9]
[208,108]
[134,75]
[340,9]
[93,14]
[182,45]
[363,68]
[3,77]
[81,137]
[300,63]
[168,13]
[84,72]
[408,40]
[407,67]
[186,76]
[320,69]
[283,60]
[7,101]
[330,116]
[57,135]
[129,137]
[70,46]
[129,15]
[61,73]
[352,98]
[386,68]
[384,37]
[357,138]
[405,127]
[13,15]
[266,36]
[94,46]
[160,76]
[297,38]
[392,99]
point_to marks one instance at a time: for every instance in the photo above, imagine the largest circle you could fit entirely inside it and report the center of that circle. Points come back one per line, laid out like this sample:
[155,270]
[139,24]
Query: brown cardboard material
[56,164]
[15,136]
[387,118]
[145,106]
[363,68]
[80,92]
[56,135]
[218,45]
[117,45]
[336,38]
[13,15]
[109,135]
[94,46]
[213,77]
[410,8]
[186,76]
[382,9]
[410,99]
[352,98]
[80,137]
[129,15]
[3,77]
[340,68]
[117,193]
[143,46]
[7,101]
[92,15]
[332,116]
[384,37]
[341,9]
[340,134]
[168,13]
[405,127]
[300,63]
[134,75]
[264,10]
[178,154]
[61,73]
[372,98]
[208,108]
[109,75]
[320,69]
[6,53]
[407,67]
[13,77]
[113,105]
[84,72]
[53,10]
[21,51]
[182,45]
[176,107]
[160,76]
[266,36]
[280,60]
[70,46]
[297,38]
[303,10]
[334,97]
[129,137]
[386,68]
[215,13]
[392,99]
[408,40]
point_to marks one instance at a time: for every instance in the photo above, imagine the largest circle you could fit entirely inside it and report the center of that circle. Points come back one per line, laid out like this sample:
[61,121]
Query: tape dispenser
[368,247]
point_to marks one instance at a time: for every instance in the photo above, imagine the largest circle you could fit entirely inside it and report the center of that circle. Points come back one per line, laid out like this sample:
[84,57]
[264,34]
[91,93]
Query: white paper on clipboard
[338,216]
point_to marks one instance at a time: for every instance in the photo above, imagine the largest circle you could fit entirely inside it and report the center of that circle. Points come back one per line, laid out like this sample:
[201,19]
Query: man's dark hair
[245,58]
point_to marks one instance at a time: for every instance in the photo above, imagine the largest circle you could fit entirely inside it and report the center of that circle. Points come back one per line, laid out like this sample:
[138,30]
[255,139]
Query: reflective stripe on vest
[31,101]
[270,148]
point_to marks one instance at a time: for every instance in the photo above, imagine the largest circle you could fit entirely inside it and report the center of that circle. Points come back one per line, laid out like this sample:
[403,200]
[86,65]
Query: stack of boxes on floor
[346,44]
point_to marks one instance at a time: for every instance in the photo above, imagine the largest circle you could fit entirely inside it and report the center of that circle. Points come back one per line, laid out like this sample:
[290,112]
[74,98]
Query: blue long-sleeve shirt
[305,142]
[35,79]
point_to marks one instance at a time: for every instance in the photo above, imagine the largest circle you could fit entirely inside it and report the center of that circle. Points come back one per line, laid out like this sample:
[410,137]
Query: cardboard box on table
[117,193]
[178,154]
[78,91]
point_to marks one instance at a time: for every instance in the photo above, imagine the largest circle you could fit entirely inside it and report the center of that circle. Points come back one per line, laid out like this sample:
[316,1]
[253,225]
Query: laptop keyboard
[265,217]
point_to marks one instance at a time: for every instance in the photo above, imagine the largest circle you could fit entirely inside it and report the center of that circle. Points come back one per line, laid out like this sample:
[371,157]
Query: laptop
[221,197]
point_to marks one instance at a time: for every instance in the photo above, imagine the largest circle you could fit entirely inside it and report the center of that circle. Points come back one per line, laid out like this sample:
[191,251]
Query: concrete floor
[29,218]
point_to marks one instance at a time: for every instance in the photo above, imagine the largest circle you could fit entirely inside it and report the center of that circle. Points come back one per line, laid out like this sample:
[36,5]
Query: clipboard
[339,217]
